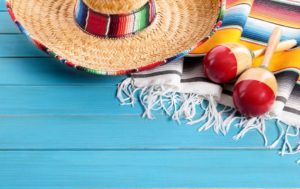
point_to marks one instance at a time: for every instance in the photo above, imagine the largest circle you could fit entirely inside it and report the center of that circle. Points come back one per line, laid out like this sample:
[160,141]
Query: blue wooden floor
[65,129]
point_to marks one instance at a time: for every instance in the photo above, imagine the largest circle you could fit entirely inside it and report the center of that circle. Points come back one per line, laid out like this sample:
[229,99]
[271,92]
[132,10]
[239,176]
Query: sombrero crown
[116,36]
[114,19]
[115,6]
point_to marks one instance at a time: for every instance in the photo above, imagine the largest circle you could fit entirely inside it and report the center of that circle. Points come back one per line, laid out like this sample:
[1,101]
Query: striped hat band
[114,25]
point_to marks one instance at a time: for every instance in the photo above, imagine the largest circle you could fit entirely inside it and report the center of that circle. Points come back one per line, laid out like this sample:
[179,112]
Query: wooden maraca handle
[282,46]
[272,44]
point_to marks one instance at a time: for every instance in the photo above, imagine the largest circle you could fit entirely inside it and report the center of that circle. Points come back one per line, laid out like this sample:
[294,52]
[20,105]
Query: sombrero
[116,36]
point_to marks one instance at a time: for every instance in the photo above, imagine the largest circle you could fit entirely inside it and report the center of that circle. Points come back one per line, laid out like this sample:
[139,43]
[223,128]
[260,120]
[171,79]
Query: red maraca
[226,61]
[255,90]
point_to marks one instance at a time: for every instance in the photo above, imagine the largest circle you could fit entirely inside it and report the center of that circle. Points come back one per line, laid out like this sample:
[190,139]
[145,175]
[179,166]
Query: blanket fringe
[187,108]
[211,116]
[184,106]
[248,124]
[152,98]
[282,131]
[127,88]
[229,120]
[287,147]
[156,98]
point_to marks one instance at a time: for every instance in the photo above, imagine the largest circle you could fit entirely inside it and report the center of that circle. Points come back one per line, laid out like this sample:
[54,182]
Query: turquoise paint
[62,100]
[116,132]
[48,72]
[65,129]
[7,25]
[146,169]
[2,6]
[17,45]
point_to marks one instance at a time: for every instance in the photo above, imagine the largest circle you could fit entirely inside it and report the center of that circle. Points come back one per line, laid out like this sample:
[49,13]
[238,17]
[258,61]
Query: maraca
[255,90]
[226,61]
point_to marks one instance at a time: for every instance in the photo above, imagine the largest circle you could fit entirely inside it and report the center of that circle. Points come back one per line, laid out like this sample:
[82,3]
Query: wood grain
[242,55]
[7,25]
[118,132]
[60,128]
[260,74]
[62,100]
[282,46]
[17,45]
[2,6]
[146,169]
[48,71]
[272,44]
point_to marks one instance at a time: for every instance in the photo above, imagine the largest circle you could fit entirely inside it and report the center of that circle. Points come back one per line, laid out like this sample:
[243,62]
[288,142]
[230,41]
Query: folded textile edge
[181,91]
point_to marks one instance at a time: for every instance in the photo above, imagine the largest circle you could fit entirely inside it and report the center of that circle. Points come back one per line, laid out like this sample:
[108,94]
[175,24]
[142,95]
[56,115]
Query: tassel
[170,102]
[156,98]
[252,123]
[212,116]
[152,98]
[127,88]
[287,147]
[229,120]
[184,106]
[279,125]
[187,109]
[149,98]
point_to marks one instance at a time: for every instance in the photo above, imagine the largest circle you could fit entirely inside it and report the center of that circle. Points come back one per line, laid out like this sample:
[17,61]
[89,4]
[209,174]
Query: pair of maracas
[255,90]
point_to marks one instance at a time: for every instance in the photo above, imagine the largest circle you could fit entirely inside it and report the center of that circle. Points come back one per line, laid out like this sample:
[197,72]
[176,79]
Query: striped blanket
[183,92]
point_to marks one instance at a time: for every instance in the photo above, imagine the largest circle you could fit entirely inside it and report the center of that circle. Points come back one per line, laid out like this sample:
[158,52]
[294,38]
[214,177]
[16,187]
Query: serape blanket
[183,92]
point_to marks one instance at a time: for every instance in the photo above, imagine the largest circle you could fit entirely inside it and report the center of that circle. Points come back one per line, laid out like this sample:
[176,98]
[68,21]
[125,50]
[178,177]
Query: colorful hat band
[114,25]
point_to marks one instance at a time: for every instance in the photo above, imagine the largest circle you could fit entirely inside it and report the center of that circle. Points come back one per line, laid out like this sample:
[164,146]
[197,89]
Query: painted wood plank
[146,169]
[64,100]
[48,71]
[2,5]
[117,132]
[17,45]
[46,105]
[7,25]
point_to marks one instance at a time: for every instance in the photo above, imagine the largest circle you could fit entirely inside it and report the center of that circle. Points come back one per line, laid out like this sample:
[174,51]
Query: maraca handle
[272,44]
[282,46]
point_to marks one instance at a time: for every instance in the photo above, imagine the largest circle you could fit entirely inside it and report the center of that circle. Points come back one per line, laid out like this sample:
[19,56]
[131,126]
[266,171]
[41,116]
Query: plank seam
[144,149]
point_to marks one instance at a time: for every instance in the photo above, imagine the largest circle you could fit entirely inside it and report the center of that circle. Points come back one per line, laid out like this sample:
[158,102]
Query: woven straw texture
[179,25]
[115,6]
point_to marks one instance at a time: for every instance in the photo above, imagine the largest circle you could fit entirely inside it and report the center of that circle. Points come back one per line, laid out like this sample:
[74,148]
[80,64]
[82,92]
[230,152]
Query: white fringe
[127,88]
[184,106]
[177,105]
[152,98]
[229,120]
[282,131]
[157,98]
[287,147]
[257,123]
[187,107]
[211,116]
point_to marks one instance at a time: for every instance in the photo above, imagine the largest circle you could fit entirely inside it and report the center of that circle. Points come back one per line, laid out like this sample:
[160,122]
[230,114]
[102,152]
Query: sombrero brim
[180,26]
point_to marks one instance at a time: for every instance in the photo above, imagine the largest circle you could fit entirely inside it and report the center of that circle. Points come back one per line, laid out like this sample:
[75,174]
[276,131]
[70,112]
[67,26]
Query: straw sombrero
[116,36]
